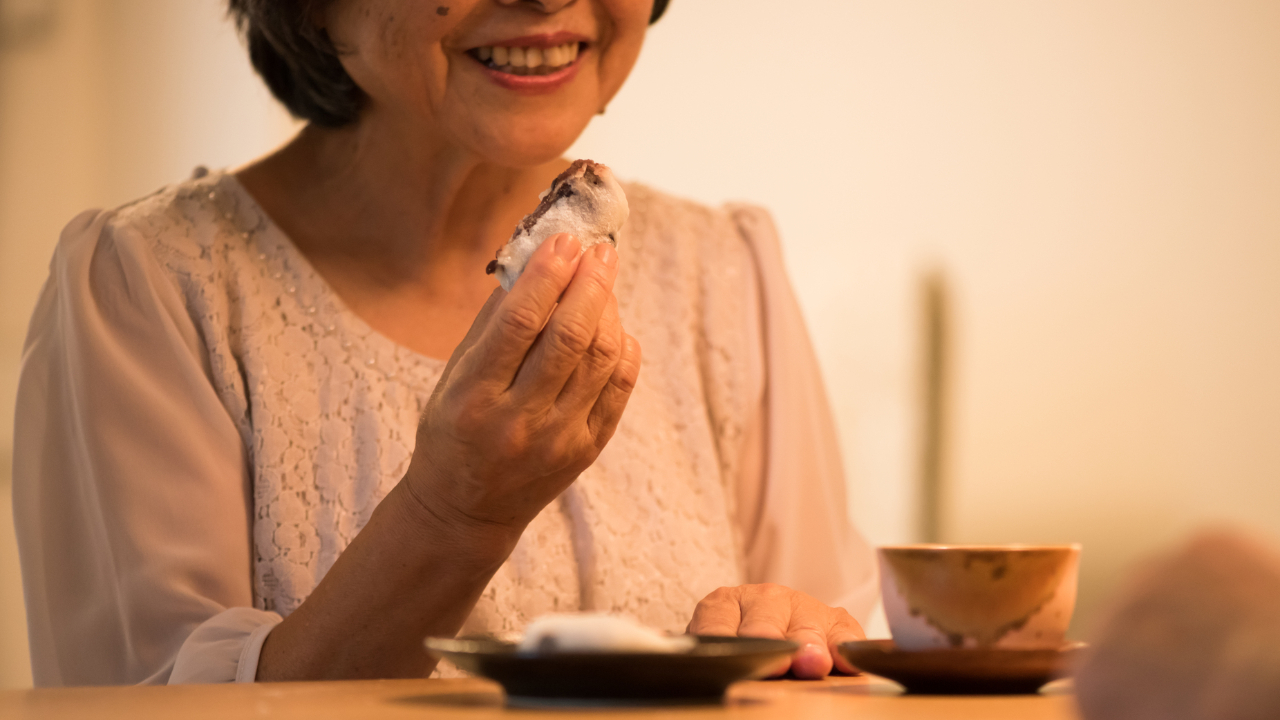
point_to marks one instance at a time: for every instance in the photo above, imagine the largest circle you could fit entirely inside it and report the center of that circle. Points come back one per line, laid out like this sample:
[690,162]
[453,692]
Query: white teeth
[528,59]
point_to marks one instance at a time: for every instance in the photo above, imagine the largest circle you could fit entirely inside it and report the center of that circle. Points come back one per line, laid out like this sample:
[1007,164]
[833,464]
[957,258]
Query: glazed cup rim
[1011,547]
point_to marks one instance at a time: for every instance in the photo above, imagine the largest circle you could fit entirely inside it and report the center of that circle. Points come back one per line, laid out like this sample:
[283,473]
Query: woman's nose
[546,6]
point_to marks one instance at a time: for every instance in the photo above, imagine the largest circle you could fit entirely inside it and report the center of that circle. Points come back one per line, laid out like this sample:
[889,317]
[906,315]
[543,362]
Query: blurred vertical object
[25,22]
[935,356]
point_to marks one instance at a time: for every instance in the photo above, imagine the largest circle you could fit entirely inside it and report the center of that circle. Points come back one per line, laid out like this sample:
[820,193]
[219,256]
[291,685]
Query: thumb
[839,635]
[813,659]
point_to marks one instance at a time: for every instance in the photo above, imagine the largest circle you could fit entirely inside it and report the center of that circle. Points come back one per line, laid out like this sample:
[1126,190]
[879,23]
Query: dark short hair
[298,61]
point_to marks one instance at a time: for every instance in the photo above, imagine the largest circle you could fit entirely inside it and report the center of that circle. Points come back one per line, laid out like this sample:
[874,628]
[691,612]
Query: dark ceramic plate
[962,671]
[700,674]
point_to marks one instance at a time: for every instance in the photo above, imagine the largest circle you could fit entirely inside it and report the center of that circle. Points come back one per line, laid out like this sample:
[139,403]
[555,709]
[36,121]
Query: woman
[240,455]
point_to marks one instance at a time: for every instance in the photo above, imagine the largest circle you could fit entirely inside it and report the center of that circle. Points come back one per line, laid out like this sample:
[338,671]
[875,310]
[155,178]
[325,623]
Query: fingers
[571,330]
[813,660]
[518,319]
[844,629]
[725,613]
[766,612]
[596,365]
[771,611]
[819,630]
[777,612]
[612,399]
[718,614]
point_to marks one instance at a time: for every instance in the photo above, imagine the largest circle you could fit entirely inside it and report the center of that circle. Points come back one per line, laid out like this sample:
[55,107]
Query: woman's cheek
[623,30]
[392,50]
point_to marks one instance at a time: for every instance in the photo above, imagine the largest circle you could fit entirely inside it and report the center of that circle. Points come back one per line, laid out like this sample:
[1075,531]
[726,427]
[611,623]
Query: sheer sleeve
[131,488]
[791,497]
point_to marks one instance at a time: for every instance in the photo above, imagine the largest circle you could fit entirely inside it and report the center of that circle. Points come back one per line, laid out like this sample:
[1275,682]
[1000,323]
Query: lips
[527,60]
[533,63]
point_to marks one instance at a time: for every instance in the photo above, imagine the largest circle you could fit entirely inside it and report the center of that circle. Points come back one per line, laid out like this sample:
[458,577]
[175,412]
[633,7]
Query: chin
[527,144]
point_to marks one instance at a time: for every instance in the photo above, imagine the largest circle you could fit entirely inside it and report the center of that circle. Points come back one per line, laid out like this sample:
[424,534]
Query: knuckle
[772,590]
[520,321]
[467,419]
[627,372]
[723,594]
[571,336]
[625,376]
[808,622]
[512,440]
[605,352]
[624,382]
[601,279]
[603,420]
[459,410]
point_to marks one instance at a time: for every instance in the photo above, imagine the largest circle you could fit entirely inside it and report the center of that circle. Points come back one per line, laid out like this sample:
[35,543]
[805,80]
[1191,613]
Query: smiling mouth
[528,60]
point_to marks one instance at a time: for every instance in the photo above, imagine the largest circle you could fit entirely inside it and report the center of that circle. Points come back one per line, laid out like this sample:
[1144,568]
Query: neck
[398,202]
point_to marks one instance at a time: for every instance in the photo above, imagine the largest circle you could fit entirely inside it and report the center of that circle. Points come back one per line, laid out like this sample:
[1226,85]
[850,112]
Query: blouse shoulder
[729,226]
[699,256]
[726,241]
[180,260]
[192,222]
[170,232]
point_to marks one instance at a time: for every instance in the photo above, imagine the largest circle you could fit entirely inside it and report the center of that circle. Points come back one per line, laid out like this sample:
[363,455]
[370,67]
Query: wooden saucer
[963,671]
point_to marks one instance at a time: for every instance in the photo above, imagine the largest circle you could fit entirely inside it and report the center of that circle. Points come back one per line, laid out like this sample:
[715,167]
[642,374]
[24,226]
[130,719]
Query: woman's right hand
[530,396]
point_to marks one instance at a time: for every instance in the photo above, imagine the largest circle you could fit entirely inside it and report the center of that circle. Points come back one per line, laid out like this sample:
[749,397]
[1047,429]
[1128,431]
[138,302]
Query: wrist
[431,522]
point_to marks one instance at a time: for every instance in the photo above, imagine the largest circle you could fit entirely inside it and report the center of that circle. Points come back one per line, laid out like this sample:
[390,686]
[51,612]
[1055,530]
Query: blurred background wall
[1090,187]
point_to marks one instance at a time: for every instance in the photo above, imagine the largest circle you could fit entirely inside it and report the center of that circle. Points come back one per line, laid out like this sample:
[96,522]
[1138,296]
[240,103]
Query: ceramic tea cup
[979,596]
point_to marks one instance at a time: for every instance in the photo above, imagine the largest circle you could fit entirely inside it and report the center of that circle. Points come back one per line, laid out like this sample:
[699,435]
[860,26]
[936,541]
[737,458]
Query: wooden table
[471,699]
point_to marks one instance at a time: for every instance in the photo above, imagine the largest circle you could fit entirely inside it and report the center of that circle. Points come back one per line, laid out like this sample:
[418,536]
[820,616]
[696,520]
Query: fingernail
[812,650]
[567,246]
[810,661]
[605,253]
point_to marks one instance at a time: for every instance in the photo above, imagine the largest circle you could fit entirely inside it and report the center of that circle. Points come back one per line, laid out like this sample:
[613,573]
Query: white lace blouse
[203,427]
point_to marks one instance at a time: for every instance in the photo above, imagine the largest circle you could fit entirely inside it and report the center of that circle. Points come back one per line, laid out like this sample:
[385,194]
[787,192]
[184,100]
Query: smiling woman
[278,423]
[298,60]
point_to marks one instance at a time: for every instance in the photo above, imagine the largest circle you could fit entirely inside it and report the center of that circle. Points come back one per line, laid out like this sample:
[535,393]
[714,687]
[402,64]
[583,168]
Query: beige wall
[1097,179]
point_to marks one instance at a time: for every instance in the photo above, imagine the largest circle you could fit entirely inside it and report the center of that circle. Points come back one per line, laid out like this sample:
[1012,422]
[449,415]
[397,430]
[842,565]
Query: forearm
[408,574]
[526,403]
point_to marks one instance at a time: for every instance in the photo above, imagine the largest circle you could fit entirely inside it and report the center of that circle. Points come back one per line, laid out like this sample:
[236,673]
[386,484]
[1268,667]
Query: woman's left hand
[774,611]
